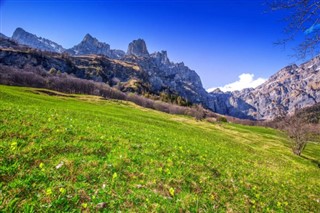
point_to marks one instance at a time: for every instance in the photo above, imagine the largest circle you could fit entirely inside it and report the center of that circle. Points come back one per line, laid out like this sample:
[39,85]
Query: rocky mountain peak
[89,38]
[138,48]
[217,90]
[31,40]
[281,76]
[161,57]
[92,41]
[90,45]
[19,31]
[21,35]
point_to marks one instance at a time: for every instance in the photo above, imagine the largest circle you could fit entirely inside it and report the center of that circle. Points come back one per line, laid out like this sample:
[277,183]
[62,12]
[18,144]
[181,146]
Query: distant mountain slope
[91,45]
[292,88]
[25,38]
[3,36]
[227,104]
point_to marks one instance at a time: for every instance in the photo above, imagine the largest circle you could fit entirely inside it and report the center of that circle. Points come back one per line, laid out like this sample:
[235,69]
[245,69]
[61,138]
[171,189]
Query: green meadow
[73,153]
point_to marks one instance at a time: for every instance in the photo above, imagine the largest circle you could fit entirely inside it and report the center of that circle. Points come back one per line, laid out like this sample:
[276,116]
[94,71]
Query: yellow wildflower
[171,191]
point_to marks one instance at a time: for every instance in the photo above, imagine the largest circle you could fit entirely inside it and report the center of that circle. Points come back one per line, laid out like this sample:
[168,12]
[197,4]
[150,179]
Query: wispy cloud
[246,80]
[312,29]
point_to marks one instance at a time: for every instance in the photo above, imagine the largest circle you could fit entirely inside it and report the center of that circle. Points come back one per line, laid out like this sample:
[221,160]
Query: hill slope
[69,152]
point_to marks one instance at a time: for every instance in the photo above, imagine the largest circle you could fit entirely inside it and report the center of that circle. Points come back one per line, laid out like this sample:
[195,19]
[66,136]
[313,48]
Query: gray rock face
[90,45]
[292,88]
[3,36]
[8,43]
[167,76]
[161,58]
[138,48]
[117,54]
[31,40]
[228,104]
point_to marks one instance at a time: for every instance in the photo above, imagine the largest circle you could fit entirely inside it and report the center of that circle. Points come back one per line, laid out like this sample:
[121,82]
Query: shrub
[222,119]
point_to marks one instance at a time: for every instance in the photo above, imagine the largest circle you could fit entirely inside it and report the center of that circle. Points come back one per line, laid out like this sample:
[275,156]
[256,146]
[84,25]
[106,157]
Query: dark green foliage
[222,119]
[310,114]
[173,98]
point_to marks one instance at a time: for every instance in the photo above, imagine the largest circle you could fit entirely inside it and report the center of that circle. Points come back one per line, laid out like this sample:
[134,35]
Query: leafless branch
[302,19]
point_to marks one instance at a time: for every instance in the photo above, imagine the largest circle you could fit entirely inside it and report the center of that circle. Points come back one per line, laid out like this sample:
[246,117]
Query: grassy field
[61,153]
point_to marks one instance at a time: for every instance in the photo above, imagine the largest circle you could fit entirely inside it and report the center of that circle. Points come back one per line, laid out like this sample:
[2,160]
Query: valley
[160,106]
[290,89]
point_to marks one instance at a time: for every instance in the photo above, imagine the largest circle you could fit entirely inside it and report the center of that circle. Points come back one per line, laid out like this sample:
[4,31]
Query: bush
[197,111]
[222,119]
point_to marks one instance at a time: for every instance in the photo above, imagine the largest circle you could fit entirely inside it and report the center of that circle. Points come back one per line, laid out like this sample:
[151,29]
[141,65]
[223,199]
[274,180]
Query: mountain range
[290,89]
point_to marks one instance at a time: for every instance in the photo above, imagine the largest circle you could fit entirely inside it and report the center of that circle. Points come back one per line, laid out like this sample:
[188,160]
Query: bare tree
[303,18]
[300,132]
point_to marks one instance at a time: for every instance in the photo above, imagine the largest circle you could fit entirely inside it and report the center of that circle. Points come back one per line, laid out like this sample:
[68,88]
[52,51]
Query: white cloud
[246,80]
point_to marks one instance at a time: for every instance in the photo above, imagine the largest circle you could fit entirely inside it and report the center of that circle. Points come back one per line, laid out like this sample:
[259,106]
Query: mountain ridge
[115,72]
[3,36]
[91,45]
[290,89]
[29,39]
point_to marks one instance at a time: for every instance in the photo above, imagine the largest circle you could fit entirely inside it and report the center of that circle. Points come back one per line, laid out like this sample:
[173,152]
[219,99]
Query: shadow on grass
[312,160]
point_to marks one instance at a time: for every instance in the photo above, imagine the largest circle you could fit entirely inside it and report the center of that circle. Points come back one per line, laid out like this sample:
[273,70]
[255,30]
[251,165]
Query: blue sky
[218,39]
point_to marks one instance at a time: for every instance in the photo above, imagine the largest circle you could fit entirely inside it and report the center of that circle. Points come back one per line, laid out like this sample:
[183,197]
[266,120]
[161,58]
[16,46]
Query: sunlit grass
[60,153]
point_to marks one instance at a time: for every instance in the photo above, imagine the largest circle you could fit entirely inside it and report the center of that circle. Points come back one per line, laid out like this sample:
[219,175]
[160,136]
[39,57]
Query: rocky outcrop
[226,103]
[31,40]
[292,88]
[117,54]
[138,48]
[166,76]
[161,58]
[90,45]
[8,43]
